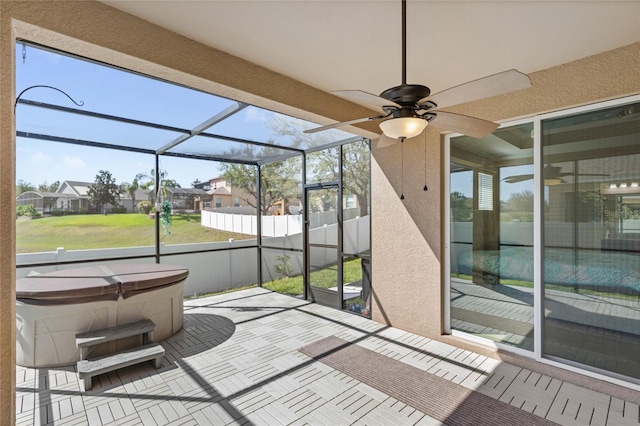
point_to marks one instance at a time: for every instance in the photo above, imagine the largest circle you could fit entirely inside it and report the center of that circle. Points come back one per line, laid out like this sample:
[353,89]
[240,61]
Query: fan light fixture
[407,108]
[552,181]
[403,127]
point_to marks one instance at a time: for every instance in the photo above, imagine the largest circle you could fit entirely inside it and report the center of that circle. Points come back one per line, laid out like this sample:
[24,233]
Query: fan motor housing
[406,94]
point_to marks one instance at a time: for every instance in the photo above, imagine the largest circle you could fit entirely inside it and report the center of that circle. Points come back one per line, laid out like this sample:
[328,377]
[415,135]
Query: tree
[519,205]
[324,166]
[104,191]
[130,188]
[461,207]
[520,201]
[148,181]
[356,171]
[170,183]
[23,186]
[44,187]
[279,180]
[195,183]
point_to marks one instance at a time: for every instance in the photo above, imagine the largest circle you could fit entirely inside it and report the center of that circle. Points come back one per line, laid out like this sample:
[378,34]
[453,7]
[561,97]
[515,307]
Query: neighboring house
[43,202]
[131,204]
[73,196]
[203,185]
[224,195]
[186,198]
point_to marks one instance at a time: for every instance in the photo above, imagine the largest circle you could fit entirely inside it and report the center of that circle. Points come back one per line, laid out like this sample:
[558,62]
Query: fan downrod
[406,94]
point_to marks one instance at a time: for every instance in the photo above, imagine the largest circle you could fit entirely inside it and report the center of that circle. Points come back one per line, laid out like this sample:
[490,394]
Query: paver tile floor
[240,359]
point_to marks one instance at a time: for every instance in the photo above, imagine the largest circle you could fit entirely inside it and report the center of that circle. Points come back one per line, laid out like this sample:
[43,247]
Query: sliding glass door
[491,228]
[580,260]
[591,245]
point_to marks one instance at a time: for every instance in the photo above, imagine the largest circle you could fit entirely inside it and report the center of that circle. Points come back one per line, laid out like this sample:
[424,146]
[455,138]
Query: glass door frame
[538,309]
[307,252]
[539,303]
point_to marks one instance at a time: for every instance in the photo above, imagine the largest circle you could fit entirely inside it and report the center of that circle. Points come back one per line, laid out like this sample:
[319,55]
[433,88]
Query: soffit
[335,45]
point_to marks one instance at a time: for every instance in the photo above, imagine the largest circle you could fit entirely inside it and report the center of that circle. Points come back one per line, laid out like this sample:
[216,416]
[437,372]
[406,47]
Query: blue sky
[112,91]
[106,90]
[463,182]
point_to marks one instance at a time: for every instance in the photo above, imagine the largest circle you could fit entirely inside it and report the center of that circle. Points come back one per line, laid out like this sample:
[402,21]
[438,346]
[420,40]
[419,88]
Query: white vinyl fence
[272,226]
[229,266]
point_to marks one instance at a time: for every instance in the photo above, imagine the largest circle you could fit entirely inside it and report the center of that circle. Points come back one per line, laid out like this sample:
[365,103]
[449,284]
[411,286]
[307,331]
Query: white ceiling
[335,45]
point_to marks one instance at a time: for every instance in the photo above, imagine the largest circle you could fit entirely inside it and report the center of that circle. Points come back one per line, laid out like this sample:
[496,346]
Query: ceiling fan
[406,109]
[552,176]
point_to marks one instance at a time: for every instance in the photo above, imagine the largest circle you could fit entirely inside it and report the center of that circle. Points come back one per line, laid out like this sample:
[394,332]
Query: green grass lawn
[82,232]
[323,278]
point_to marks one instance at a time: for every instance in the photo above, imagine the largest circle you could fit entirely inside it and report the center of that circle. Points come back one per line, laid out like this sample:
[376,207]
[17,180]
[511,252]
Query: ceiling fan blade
[486,87]
[362,97]
[385,141]
[516,179]
[470,126]
[343,123]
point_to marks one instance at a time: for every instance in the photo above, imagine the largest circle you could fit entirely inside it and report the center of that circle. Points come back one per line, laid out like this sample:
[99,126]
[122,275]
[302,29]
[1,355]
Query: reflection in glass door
[491,236]
[323,241]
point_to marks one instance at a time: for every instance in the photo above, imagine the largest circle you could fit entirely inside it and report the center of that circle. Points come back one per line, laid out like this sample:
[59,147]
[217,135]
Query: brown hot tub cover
[92,283]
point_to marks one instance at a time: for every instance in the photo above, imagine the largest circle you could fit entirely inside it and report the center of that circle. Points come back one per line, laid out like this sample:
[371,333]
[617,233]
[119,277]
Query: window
[350,201]
[485,191]
[218,202]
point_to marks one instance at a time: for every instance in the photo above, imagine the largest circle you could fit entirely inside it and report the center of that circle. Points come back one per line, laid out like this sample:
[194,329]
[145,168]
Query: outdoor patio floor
[243,358]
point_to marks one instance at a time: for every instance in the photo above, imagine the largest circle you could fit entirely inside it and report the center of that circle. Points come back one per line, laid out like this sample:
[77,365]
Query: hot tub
[52,308]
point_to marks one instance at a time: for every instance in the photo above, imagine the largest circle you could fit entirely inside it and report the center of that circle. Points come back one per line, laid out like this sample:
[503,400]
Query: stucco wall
[407,234]
[96,31]
[7,227]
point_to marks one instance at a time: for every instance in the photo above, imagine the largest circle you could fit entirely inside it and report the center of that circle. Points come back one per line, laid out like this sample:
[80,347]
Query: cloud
[253,115]
[40,158]
[73,162]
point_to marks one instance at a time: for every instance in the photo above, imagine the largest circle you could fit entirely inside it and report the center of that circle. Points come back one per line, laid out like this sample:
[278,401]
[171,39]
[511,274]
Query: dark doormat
[447,402]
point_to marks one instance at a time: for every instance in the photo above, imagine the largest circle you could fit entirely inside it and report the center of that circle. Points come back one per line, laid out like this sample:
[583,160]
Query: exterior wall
[7,223]
[228,199]
[218,182]
[406,272]
[94,30]
[241,196]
